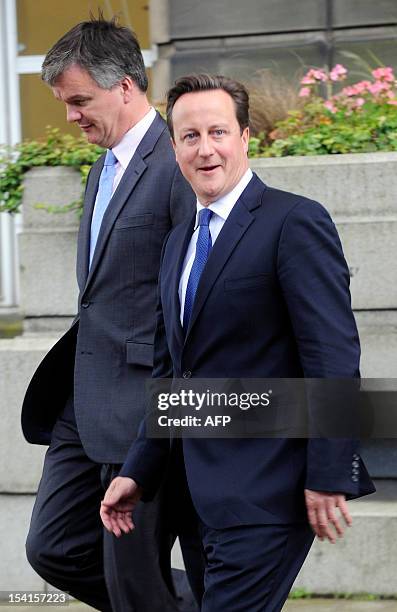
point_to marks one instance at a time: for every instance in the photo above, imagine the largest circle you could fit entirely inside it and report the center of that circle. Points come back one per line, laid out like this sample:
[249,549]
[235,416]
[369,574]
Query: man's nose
[206,149]
[72,114]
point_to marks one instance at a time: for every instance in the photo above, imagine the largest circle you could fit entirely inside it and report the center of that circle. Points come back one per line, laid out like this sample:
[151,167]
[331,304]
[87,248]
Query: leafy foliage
[55,149]
[361,118]
[315,131]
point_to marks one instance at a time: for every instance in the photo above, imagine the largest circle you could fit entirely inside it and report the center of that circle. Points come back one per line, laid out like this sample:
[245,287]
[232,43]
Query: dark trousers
[252,568]
[69,548]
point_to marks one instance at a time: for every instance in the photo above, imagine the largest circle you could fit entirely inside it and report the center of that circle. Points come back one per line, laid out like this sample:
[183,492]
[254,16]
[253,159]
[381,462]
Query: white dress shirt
[221,210]
[127,146]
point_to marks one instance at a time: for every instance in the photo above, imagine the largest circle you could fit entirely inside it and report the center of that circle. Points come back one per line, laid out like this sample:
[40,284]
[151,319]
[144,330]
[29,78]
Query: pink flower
[350,90]
[330,106]
[393,102]
[378,87]
[362,86]
[319,75]
[313,75]
[385,74]
[359,102]
[304,92]
[338,73]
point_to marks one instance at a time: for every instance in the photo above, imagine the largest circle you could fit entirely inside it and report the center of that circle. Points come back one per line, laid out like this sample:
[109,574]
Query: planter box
[359,191]
[47,244]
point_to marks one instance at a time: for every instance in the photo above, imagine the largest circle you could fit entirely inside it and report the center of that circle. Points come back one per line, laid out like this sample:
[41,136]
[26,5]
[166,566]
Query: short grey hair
[107,51]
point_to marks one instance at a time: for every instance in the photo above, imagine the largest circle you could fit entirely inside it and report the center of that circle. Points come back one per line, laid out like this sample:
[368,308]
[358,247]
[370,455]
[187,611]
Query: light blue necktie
[103,198]
[203,248]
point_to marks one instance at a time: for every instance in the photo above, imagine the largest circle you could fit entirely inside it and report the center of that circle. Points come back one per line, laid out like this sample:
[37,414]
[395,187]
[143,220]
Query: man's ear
[127,88]
[245,136]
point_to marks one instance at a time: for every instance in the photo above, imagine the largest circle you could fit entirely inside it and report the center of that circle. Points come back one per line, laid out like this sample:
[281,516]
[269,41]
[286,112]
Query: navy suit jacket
[273,302]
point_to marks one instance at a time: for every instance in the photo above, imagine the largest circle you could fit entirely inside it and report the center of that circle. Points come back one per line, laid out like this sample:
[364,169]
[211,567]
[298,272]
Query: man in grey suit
[86,398]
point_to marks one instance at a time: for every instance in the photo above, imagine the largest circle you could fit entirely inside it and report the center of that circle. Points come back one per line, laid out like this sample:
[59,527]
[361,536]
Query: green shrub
[314,132]
[55,149]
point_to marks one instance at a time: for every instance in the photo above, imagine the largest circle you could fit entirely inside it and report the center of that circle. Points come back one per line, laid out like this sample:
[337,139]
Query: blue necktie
[203,248]
[103,198]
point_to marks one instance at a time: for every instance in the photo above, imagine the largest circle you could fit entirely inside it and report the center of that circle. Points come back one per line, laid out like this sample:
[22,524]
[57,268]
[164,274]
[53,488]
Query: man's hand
[120,500]
[321,511]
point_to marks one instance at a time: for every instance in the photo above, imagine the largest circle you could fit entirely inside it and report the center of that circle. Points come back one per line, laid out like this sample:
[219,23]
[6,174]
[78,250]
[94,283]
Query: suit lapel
[130,178]
[232,232]
[182,243]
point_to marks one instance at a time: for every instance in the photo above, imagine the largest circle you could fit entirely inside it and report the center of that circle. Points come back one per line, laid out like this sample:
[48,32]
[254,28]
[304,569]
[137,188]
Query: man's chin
[90,135]
[90,138]
[209,194]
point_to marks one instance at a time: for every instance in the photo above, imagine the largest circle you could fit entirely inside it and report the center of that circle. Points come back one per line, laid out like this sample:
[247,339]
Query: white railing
[10,133]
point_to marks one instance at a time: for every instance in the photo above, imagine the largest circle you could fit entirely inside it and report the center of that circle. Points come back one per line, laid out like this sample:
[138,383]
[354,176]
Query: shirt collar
[127,146]
[224,205]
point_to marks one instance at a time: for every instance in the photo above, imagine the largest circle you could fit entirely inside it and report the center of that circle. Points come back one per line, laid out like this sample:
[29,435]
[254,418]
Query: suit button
[85,304]
[187,374]
[355,478]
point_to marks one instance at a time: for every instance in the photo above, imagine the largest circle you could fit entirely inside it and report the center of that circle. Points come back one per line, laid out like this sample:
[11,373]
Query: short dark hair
[107,51]
[207,82]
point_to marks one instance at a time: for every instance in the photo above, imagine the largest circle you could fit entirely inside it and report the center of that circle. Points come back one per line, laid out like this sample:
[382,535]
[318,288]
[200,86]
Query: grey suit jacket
[107,354]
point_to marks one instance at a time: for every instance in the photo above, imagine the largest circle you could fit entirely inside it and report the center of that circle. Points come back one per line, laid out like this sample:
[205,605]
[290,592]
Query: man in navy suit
[254,285]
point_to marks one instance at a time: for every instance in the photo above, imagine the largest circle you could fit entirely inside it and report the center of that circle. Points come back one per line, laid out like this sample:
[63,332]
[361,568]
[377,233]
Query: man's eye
[190,136]
[219,132]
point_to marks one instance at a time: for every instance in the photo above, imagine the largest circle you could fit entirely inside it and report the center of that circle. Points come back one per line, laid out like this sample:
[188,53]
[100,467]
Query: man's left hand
[322,513]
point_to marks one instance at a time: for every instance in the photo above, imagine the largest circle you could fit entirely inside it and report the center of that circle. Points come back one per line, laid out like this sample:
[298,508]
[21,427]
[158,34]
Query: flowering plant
[359,118]
[382,89]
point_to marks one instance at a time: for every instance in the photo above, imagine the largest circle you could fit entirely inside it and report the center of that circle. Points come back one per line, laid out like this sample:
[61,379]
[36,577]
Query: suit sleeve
[148,458]
[315,281]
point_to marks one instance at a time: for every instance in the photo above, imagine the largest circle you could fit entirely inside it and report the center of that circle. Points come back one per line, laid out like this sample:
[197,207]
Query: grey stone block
[48,279]
[55,186]
[46,325]
[20,462]
[370,248]
[15,572]
[378,336]
[352,186]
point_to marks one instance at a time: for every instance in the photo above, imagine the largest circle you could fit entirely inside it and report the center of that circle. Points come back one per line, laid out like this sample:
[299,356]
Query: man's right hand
[120,500]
